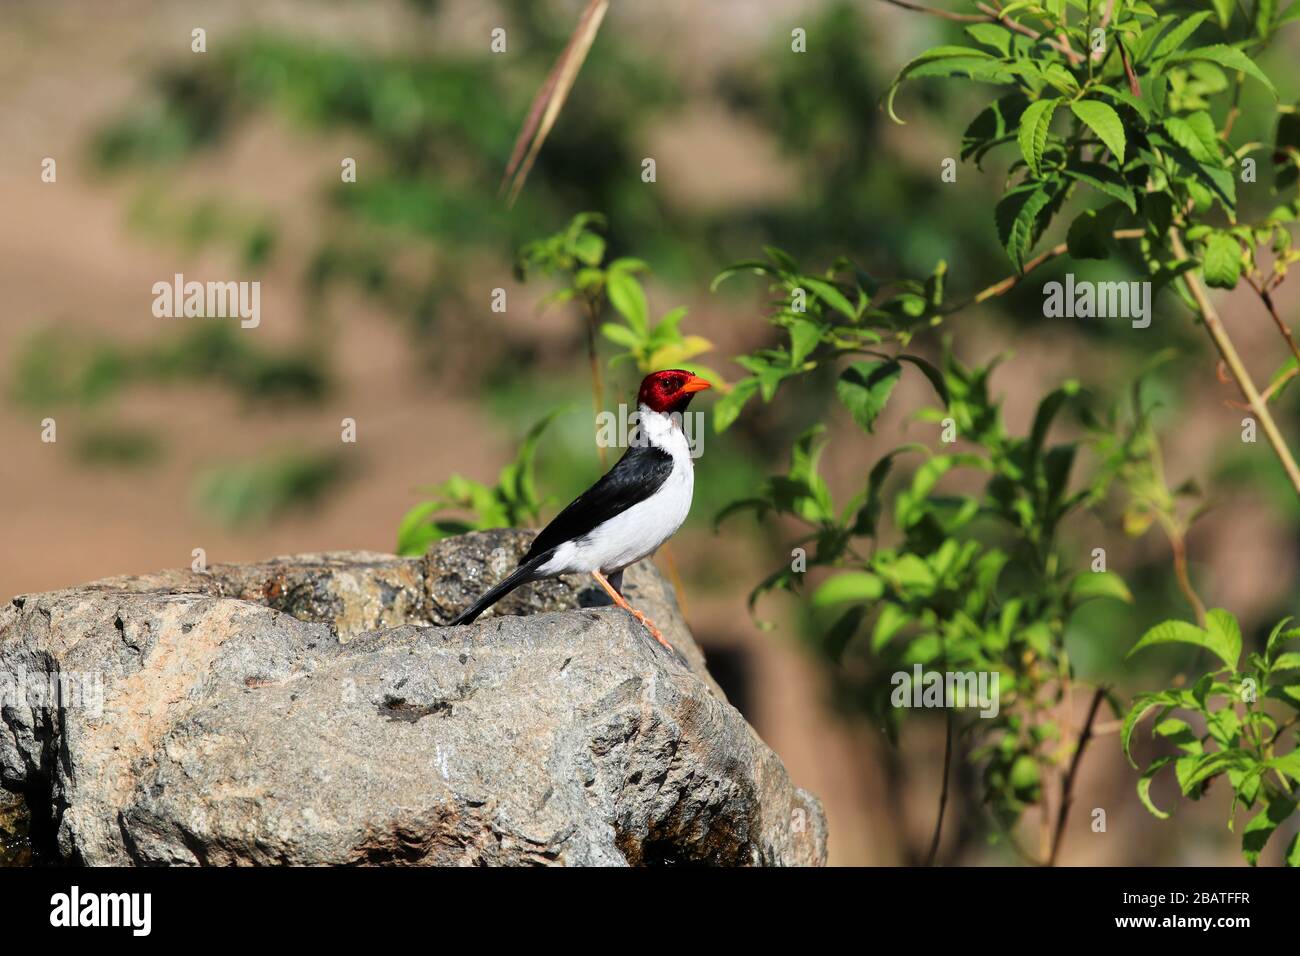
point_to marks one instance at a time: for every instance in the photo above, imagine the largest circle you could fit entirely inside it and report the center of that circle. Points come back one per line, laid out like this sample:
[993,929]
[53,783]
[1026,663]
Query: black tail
[519,576]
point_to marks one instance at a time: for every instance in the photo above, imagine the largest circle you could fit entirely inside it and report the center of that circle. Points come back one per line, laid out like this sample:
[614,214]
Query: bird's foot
[654,631]
[621,601]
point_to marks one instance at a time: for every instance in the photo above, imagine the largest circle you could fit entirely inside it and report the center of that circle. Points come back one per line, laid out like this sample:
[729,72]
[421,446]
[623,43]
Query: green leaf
[589,248]
[949,61]
[1179,733]
[1196,770]
[1035,123]
[1282,379]
[517,481]
[727,408]
[1197,135]
[753,266]
[415,534]
[1143,705]
[832,296]
[1288,764]
[1102,119]
[1020,221]
[1139,106]
[1046,412]
[1183,28]
[627,296]
[932,374]
[891,620]
[1144,786]
[1278,635]
[991,35]
[907,572]
[1060,78]
[1223,636]
[864,388]
[1255,835]
[1098,584]
[869,514]
[1104,179]
[1287,662]
[1025,779]
[1226,56]
[849,586]
[1221,261]
[993,125]
[620,335]
[804,337]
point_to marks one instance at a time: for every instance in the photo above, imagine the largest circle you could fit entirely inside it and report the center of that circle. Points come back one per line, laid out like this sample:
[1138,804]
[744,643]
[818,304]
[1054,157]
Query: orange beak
[695,384]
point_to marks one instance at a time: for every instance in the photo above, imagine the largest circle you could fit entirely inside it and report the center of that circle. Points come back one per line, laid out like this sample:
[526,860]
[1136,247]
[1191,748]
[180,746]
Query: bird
[626,515]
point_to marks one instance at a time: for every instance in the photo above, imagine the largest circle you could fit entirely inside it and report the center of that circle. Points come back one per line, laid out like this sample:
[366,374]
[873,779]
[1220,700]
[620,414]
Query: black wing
[635,477]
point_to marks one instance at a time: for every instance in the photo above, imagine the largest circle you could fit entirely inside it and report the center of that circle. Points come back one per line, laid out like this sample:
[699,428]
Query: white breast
[637,532]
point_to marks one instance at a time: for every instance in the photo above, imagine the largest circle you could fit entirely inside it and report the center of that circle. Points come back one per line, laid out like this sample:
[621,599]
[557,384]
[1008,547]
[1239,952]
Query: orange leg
[622,602]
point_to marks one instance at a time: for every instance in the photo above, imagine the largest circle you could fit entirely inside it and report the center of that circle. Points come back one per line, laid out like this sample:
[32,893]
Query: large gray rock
[307,711]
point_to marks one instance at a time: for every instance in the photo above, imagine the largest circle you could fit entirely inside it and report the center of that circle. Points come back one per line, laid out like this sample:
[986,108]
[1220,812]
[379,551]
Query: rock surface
[306,710]
[15,846]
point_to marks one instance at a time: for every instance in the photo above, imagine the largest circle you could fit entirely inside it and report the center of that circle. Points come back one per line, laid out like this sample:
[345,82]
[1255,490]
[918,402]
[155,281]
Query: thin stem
[1178,544]
[943,792]
[1219,335]
[892,779]
[1067,791]
[1235,110]
[989,14]
[1134,86]
[934,12]
[1003,286]
[1175,532]
[947,765]
[597,383]
[1267,298]
[996,16]
[1281,380]
[1105,17]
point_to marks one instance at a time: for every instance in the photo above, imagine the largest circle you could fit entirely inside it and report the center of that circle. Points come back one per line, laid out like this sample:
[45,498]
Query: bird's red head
[670,390]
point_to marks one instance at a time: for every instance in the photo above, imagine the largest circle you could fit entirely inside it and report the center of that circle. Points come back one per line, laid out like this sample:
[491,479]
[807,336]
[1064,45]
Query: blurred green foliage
[270,487]
[512,502]
[55,367]
[119,446]
[209,221]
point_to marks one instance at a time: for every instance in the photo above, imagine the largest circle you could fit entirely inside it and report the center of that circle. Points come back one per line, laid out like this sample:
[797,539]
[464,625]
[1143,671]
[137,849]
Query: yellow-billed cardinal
[626,515]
